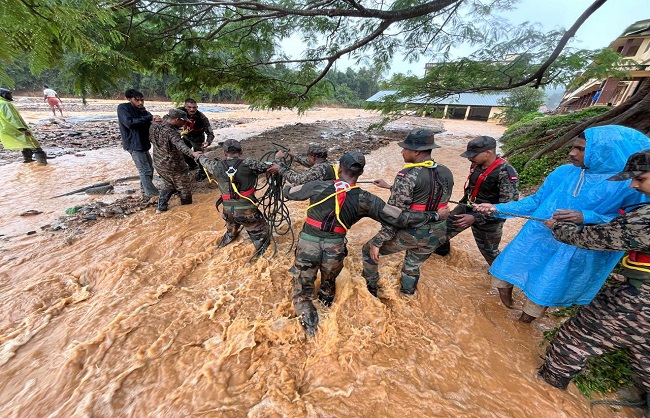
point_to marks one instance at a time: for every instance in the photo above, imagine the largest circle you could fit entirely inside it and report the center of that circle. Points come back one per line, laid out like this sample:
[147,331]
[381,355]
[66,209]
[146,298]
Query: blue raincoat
[549,272]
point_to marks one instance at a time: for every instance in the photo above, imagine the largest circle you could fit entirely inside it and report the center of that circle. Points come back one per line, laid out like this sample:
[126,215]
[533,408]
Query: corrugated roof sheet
[462,99]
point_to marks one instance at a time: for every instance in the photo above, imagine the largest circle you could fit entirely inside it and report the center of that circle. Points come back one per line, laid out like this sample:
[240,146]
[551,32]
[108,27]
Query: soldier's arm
[302,160]
[258,167]
[375,208]
[293,177]
[401,197]
[508,184]
[209,163]
[626,232]
[175,139]
[304,191]
[209,135]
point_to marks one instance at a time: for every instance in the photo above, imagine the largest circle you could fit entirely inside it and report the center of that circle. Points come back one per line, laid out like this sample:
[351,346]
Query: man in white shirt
[53,99]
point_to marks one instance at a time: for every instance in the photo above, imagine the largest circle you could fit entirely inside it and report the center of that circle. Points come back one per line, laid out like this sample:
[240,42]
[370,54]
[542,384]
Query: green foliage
[199,48]
[523,132]
[519,103]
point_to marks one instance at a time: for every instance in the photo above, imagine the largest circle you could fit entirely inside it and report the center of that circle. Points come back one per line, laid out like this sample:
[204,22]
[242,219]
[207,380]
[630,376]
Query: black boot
[227,238]
[163,198]
[325,297]
[27,155]
[260,247]
[444,249]
[39,156]
[372,288]
[308,316]
[186,198]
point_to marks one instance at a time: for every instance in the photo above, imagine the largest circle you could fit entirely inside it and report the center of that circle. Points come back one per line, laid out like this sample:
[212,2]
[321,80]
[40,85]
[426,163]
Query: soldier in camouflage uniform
[237,178]
[619,317]
[491,180]
[316,160]
[168,151]
[422,185]
[335,206]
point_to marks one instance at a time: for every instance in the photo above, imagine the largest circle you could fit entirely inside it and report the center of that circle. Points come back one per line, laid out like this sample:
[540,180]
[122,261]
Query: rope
[514,215]
[272,203]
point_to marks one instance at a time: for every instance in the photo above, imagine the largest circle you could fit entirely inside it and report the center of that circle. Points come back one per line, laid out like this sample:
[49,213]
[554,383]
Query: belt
[245,193]
[418,207]
[319,225]
[307,237]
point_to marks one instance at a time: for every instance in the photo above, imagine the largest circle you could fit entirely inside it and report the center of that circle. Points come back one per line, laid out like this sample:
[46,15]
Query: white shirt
[49,93]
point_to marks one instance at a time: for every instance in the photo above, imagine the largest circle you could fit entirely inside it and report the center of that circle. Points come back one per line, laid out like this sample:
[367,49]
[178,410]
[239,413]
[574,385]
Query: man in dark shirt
[335,206]
[134,121]
[197,132]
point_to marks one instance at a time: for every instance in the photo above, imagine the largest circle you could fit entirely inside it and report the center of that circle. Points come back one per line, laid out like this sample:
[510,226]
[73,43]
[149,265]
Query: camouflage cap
[353,161]
[479,145]
[419,140]
[6,94]
[231,145]
[637,164]
[317,150]
[177,114]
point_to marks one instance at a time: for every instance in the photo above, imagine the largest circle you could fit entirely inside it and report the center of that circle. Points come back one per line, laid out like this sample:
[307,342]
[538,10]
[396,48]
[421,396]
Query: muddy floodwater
[143,316]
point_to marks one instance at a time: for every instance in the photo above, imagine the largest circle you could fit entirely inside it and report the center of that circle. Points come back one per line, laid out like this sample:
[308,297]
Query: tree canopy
[250,45]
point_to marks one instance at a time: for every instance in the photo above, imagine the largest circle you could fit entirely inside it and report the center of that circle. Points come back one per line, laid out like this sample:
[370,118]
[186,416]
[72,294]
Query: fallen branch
[105,183]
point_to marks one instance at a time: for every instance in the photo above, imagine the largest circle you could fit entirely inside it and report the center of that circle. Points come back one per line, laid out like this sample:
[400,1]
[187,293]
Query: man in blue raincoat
[549,272]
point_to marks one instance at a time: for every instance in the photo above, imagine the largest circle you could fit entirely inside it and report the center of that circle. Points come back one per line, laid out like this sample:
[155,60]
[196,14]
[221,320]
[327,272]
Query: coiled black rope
[272,203]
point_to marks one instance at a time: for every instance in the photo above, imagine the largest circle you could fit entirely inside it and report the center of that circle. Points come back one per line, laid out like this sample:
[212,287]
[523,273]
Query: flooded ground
[141,316]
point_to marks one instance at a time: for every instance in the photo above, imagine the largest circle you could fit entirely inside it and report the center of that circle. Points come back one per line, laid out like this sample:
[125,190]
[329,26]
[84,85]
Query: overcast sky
[605,25]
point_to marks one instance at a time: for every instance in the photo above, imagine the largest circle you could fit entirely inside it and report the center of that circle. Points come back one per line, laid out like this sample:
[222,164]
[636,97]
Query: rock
[31,212]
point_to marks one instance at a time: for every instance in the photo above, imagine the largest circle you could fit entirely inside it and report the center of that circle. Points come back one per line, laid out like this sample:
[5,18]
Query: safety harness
[433,200]
[340,192]
[235,194]
[637,261]
[482,177]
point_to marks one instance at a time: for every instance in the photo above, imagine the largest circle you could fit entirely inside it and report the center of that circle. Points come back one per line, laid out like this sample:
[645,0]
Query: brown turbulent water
[144,317]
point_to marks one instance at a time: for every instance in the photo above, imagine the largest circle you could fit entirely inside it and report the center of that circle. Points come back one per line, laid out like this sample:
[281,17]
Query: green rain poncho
[14,132]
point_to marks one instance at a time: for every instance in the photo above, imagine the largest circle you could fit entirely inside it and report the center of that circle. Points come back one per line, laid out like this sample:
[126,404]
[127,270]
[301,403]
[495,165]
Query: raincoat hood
[608,148]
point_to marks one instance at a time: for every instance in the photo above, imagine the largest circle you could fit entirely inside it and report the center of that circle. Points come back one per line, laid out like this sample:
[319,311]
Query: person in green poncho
[15,133]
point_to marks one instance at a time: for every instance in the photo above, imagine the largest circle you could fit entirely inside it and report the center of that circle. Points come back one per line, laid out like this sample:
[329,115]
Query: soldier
[15,133]
[422,185]
[619,316]
[320,168]
[237,178]
[197,132]
[335,206]
[168,151]
[491,180]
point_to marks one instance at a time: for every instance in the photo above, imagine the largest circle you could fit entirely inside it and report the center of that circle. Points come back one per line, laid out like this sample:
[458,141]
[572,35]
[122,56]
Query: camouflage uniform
[500,186]
[168,151]
[323,247]
[239,211]
[320,170]
[411,186]
[619,317]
